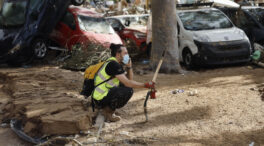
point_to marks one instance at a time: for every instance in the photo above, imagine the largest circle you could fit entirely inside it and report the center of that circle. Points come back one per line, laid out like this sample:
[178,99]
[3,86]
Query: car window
[97,25]
[135,20]
[69,20]
[13,13]
[258,14]
[204,20]
[36,5]
[243,20]
[115,23]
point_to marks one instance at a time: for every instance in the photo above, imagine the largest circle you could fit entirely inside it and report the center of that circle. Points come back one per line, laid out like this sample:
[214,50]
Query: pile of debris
[45,101]
[83,56]
[110,8]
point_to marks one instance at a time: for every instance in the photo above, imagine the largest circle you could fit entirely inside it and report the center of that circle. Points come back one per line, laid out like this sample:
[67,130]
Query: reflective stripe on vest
[101,91]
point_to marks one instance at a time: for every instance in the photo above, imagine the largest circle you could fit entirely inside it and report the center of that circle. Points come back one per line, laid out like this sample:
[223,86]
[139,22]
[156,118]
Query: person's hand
[129,65]
[150,85]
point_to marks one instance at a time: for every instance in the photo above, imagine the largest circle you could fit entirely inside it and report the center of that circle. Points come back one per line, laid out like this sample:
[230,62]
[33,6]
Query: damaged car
[207,37]
[25,26]
[250,19]
[132,30]
[81,26]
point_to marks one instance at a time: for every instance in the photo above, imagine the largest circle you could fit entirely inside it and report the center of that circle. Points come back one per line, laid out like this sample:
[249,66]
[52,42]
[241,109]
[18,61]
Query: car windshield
[97,25]
[204,20]
[258,14]
[13,13]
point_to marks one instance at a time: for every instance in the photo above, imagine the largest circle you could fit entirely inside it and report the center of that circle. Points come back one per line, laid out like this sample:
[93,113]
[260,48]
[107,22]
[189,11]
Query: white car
[207,36]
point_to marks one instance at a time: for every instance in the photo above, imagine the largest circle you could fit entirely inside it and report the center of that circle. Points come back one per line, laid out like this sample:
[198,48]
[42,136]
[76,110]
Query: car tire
[78,2]
[188,59]
[40,48]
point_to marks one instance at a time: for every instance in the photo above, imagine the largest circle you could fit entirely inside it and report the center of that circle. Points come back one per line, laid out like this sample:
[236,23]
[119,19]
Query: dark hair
[115,48]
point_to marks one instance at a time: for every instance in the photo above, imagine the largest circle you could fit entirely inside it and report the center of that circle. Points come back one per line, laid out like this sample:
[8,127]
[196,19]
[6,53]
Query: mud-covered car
[250,19]
[207,37]
[132,30]
[81,26]
[25,25]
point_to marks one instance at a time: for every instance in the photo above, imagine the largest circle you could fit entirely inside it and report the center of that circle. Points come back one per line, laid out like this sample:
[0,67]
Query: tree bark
[164,36]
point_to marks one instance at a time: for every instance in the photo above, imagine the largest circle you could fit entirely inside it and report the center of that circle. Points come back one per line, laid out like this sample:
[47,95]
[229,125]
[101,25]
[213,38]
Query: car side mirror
[127,22]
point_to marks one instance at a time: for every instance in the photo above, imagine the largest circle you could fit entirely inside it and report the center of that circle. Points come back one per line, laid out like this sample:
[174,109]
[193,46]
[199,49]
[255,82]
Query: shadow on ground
[225,139]
[196,113]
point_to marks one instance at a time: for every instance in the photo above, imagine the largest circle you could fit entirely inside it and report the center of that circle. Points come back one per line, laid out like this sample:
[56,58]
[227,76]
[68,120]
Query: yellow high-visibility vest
[102,90]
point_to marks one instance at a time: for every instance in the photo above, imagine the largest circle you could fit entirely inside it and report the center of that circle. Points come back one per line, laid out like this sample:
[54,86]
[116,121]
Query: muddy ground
[227,109]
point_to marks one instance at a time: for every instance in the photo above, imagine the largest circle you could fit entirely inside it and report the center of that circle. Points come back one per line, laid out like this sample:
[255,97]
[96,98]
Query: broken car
[207,37]
[250,19]
[132,30]
[25,25]
[81,26]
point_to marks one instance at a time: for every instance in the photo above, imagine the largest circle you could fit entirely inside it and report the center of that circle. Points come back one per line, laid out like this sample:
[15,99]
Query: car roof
[251,7]
[196,9]
[127,16]
[84,11]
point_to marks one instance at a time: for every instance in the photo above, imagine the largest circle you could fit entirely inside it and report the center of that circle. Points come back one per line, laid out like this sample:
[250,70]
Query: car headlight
[14,49]
[140,35]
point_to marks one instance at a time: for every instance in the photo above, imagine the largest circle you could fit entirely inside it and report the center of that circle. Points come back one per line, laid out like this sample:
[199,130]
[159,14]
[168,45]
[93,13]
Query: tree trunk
[164,36]
[1,4]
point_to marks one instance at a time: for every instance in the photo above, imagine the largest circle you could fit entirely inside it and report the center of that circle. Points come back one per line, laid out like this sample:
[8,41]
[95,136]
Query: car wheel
[40,48]
[77,2]
[188,59]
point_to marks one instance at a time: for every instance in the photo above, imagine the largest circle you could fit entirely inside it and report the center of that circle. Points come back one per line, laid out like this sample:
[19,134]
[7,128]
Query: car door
[65,29]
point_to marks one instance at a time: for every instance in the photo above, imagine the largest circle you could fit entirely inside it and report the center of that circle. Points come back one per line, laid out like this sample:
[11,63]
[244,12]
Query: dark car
[25,26]
[250,19]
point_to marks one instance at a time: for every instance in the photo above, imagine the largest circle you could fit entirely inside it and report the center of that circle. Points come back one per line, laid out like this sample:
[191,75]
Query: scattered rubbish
[77,142]
[26,66]
[4,125]
[253,89]
[16,126]
[85,132]
[145,62]
[84,56]
[177,91]
[193,93]
[252,144]
[76,136]
[140,72]
[91,140]
[124,133]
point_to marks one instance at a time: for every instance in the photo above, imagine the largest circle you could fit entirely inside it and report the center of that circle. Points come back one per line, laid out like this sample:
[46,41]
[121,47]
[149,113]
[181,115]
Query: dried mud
[227,109]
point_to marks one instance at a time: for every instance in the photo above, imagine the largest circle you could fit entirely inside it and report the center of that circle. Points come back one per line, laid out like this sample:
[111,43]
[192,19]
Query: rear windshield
[13,13]
[204,20]
[258,14]
[97,25]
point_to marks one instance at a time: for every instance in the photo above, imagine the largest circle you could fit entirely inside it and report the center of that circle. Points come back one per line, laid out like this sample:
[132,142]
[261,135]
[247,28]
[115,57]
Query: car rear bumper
[231,52]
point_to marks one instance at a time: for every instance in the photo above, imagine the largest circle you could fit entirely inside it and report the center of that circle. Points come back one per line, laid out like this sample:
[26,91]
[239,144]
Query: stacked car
[25,26]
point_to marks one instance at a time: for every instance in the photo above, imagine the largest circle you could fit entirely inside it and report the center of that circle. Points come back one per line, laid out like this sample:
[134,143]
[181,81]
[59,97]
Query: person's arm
[129,83]
[130,73]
